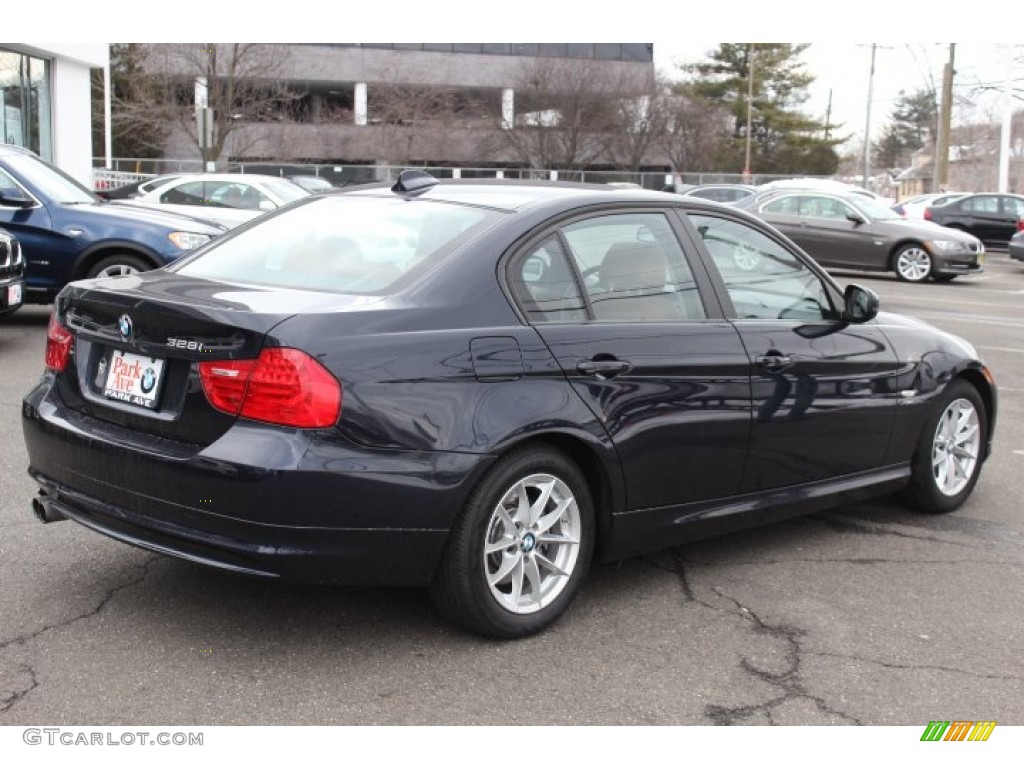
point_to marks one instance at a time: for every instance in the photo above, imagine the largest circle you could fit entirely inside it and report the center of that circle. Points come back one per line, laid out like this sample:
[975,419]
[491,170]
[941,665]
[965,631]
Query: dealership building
[45,101]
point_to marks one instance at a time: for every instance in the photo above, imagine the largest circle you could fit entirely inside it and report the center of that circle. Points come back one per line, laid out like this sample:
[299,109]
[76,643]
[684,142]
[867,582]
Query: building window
[25,102]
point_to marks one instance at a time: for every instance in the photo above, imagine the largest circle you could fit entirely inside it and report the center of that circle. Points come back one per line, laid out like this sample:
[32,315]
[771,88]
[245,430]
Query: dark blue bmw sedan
[481,387]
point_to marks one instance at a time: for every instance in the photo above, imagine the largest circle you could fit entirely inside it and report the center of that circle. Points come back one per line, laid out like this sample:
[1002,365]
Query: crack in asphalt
[10,701]
[857,561]
[890,665]
[107,597]
[847,526]
[788,679]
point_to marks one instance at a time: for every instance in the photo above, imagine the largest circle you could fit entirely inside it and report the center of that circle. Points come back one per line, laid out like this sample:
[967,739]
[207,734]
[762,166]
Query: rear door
[823,391]
[638,333]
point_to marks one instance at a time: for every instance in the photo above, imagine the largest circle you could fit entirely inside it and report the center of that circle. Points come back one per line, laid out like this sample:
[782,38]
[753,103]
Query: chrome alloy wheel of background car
[532,543]
[913,263]
[956,447]
[746,257]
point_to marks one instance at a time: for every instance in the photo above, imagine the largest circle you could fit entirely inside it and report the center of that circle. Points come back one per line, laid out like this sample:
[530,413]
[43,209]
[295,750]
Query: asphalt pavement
[867,614]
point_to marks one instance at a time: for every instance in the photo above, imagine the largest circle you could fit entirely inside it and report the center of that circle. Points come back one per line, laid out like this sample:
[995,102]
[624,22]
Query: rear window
[343,244]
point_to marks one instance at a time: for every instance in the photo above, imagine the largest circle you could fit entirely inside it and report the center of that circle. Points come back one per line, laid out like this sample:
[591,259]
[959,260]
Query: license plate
[13,294]
[133,378]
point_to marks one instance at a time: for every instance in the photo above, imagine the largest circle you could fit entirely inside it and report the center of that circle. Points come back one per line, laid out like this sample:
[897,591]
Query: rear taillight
[1020,224]
[282,386]
[928,214]
[59,342]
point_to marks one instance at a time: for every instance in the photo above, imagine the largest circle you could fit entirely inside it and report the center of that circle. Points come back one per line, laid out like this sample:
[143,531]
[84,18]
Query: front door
[823,391]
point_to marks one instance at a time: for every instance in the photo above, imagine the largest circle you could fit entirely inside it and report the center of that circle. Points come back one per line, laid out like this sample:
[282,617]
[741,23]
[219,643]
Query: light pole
[750,108]
[867,121]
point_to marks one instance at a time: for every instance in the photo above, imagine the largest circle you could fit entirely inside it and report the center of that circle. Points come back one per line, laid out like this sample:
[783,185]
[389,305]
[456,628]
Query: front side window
[633,269]
[763,279]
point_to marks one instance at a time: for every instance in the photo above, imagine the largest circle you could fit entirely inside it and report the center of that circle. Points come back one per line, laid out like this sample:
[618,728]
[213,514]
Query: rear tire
[522,546]
[948,459]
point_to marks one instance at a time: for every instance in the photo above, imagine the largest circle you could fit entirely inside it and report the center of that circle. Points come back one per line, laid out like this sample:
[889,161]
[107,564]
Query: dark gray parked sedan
[847,232]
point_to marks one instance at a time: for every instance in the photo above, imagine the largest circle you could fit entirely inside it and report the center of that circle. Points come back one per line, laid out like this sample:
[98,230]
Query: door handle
[603,369]
[774,362]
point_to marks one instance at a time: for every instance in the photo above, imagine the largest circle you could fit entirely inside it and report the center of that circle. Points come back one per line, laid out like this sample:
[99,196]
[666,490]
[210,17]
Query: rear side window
[341,244]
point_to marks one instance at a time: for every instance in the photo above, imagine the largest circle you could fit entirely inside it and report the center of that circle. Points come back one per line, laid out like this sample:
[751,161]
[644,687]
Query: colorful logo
[958,730]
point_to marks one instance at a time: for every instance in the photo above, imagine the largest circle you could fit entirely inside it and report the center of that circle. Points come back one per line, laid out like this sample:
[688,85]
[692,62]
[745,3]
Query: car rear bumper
[1016,251]
[299,505]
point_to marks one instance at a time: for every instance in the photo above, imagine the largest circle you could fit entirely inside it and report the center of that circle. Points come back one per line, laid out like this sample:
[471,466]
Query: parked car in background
[824,185]
[1016,246]
[546,373]
[914,207]
[722,193]
[992,218]
[12,274]
[844,231]
[229,199]
[136,188]
[67,233]
[312,184]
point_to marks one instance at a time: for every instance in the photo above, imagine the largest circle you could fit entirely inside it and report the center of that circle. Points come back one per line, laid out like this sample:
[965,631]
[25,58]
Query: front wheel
[517,555]
[913,264]
[949,454]
[118,266]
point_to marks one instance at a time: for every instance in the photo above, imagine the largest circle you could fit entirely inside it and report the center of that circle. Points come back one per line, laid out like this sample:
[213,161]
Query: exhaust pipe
[43,510]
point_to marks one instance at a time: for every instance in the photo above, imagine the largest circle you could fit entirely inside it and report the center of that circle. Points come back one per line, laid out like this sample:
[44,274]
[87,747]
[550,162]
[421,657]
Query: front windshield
[876,211]
[51,182]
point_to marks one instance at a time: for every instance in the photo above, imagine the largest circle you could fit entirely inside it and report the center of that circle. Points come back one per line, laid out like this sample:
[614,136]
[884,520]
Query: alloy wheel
[956,447]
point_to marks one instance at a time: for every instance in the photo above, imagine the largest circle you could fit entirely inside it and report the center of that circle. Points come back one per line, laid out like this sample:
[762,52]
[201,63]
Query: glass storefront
[25,95]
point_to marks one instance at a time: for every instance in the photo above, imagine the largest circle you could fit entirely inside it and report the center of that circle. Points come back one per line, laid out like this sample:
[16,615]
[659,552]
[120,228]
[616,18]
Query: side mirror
[11,197]
[267,205]
[856,218]
[860,304]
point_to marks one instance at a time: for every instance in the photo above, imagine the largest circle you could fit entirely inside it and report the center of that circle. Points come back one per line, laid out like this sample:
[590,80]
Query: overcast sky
[845,68]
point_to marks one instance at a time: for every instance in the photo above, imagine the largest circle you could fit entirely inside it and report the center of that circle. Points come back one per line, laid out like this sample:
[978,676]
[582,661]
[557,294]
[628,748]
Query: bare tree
[244,88]
[696,131]
[407,118]
[640,120]
[565,114]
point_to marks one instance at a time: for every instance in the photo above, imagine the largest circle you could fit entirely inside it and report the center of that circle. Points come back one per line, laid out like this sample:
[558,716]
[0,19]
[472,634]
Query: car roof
[515,194]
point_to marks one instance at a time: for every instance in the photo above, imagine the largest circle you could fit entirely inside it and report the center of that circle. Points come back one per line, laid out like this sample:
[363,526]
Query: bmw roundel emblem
[125,327]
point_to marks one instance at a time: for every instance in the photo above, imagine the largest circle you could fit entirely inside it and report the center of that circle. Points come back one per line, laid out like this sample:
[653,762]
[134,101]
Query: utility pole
[945,123]
[867,122]
[750,108]
[828,117]
[1004,136]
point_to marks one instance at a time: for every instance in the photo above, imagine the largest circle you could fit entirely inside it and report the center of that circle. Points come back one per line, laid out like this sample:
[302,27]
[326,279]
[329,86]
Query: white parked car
[825,185]
[227,198]
[914,207]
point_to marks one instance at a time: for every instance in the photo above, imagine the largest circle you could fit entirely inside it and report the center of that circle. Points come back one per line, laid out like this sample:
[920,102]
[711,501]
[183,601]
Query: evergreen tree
[783,138]
[912,125]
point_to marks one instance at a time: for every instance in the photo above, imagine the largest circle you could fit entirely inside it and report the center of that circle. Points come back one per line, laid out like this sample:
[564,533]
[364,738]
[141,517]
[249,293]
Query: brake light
[1020,224]
[59,342]
[282,386]
[928,214]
